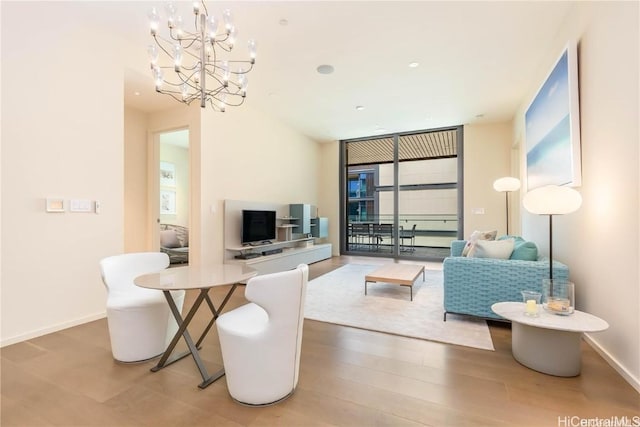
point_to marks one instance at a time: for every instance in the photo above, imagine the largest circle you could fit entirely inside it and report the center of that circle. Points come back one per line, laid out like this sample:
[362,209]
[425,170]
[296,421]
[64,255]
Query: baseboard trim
[54,328]
[633,381]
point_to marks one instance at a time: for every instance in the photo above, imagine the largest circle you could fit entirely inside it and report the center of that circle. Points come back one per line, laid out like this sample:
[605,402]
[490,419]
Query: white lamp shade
[552,200]
[506,184]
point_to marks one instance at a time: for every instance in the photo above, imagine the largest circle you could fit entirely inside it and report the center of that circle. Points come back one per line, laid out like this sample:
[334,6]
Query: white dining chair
[140,323]
[261,341]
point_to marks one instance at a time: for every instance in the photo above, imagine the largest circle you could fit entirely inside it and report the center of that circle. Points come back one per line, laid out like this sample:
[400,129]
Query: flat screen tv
[258,226]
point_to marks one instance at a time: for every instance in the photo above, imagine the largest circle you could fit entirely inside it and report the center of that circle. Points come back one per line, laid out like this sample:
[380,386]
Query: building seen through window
[418,215]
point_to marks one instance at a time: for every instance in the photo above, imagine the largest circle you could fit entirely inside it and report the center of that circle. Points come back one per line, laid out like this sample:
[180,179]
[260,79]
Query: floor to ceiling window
[401,194]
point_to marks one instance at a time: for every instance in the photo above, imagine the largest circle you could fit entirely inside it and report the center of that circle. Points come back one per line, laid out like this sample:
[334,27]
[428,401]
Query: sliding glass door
[401,194]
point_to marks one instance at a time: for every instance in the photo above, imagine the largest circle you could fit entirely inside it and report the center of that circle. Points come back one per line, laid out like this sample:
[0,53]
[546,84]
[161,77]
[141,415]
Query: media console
[286,253]
[277,259]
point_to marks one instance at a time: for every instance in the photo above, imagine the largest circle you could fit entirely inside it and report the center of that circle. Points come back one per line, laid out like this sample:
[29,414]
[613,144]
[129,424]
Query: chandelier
[187,65]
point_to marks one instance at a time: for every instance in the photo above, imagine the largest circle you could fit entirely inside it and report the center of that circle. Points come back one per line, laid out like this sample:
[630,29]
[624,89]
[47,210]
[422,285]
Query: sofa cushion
[169,239]
[500,249]
[478,235]
[524,250]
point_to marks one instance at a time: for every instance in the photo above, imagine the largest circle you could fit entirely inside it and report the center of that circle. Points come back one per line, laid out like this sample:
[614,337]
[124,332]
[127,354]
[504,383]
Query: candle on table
[532,307]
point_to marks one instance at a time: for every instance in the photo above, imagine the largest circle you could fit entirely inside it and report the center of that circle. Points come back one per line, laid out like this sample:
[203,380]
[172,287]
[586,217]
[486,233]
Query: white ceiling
[477,60]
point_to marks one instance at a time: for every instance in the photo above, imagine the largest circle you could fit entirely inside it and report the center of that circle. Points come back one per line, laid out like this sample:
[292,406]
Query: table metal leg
[215,312]
[184,332]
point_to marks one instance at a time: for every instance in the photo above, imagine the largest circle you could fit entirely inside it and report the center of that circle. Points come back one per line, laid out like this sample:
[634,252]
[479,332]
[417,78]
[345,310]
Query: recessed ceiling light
[136,93]
[413,64]
[359,107]
[283,22]
[479,116]
[325,69]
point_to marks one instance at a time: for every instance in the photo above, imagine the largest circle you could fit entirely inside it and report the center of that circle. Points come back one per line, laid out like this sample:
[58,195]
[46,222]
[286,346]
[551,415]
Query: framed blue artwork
[552,126]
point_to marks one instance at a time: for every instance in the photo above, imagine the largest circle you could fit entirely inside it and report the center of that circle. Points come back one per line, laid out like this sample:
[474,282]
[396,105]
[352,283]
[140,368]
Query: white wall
[600,241]
[247,156]
[486,158]
[135,178]
[329,189]
[62,133]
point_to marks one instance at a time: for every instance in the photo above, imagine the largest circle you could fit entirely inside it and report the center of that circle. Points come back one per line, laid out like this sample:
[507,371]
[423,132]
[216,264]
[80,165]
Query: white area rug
[338,297]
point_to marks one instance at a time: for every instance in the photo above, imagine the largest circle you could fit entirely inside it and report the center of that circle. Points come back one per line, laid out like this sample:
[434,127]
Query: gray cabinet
[320,227]
[301,214]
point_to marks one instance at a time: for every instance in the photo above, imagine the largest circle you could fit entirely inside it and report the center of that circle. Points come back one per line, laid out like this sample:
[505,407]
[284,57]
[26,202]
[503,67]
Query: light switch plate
[55,205]
[477,211]
[80,205]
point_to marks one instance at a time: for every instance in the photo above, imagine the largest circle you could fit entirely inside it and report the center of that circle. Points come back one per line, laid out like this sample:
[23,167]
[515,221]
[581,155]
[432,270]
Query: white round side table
[548,343]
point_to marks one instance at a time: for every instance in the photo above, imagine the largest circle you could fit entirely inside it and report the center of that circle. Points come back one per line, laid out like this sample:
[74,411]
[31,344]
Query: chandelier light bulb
[227,17]
[159,77]
[177,56]
[231,40]
[222,102]
[177,26]
[224,69]
[252,50]
[171,14]
[196,7]
[196,74]
[154,21]
[241,76]
[212,27]
[243,82]
[185,91]
[153,54]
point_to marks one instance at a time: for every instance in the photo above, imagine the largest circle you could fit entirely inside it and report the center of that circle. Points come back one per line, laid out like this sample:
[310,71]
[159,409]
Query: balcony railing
[429,231]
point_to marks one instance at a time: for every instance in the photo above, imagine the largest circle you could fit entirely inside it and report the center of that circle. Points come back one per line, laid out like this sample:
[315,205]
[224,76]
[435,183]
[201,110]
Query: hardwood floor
[348,377]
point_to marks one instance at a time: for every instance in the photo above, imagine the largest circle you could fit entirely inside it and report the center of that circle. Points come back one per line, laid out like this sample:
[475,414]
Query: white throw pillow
[500,249]
[475,236]
[169,239]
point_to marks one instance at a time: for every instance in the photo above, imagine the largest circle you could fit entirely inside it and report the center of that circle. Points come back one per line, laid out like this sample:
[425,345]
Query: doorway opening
[173,195]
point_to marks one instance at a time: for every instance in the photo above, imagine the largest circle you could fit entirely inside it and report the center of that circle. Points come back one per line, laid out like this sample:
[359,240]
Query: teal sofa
[473,285]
